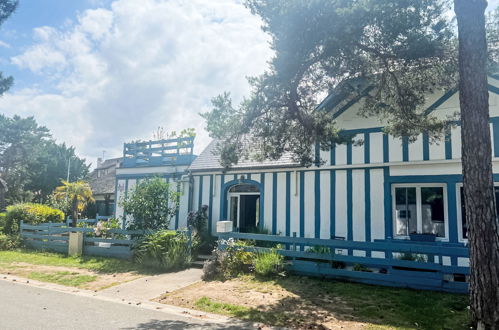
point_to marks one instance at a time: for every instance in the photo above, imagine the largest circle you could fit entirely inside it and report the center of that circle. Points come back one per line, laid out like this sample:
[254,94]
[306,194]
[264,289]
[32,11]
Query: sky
[99,73]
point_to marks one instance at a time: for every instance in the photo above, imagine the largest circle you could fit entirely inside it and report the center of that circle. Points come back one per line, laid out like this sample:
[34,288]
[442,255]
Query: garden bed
[301,302]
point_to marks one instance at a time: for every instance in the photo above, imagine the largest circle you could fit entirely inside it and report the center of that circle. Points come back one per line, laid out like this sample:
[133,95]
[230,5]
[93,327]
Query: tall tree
[31,162]
[7,7]
[393,54]
[483,233]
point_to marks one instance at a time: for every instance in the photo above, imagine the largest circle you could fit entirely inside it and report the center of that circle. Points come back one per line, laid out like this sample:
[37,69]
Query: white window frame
[460,237]
[419,215]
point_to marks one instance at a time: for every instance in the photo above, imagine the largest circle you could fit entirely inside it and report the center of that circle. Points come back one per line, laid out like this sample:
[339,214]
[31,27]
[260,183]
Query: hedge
[30,213]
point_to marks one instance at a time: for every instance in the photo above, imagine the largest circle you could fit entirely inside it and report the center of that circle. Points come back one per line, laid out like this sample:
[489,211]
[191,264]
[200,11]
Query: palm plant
[79,193]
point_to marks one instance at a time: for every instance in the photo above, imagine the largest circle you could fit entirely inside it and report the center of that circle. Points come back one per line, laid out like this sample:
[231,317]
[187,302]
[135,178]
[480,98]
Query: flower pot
[423,237]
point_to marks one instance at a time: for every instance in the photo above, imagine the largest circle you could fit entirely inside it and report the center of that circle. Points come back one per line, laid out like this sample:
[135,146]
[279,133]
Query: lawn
[301,302]
[93,273]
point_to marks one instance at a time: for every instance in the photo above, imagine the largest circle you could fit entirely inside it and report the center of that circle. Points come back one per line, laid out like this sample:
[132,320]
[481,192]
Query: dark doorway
[249,213]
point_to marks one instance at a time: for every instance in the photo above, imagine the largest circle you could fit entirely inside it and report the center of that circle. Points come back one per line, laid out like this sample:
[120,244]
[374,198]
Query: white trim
[419,215]
[495,160]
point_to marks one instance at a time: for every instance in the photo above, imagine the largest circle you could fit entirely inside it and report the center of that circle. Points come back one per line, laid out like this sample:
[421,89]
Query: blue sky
[99,73]
[17,30]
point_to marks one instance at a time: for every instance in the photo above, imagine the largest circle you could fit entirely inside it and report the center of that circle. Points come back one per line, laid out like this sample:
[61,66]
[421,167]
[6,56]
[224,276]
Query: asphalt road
[27,307]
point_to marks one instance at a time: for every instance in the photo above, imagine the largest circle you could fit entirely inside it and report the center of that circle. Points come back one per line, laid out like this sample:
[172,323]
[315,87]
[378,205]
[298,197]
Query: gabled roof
[210,160]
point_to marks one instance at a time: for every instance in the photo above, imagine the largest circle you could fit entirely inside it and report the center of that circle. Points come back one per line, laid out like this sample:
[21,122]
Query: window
[420,208]
[463,235]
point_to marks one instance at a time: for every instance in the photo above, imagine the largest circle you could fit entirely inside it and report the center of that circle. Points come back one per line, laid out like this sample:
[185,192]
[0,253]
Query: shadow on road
[171,324]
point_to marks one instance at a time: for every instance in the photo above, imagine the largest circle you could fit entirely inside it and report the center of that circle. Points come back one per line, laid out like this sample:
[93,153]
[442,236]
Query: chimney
[99,162]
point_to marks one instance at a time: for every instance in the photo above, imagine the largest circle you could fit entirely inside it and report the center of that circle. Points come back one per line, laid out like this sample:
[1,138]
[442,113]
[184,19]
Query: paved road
[28,307]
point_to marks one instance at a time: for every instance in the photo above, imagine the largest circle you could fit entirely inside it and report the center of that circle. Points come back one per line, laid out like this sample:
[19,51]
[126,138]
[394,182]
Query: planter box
[423,237]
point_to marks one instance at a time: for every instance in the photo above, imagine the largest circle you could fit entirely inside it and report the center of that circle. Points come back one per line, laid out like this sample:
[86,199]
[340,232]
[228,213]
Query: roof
[109,162]
[210,160]
[105,183]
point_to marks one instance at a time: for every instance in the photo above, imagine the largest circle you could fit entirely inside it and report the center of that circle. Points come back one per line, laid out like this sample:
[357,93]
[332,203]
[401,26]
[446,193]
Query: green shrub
[230,262]
[164,249]
[9,242]
[203,242]
[413,257]
[268,263]
[30,213]
[2,221]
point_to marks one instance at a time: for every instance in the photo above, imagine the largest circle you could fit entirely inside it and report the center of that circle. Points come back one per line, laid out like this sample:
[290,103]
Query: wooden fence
[55,237]
[380,262]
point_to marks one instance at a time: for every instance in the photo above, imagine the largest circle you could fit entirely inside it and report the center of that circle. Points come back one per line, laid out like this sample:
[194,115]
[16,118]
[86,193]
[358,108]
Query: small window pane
[406,211]
[432,210]
[244,188]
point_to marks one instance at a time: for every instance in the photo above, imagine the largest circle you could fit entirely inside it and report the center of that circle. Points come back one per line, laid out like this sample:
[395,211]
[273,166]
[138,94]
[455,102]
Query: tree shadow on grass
[318,301]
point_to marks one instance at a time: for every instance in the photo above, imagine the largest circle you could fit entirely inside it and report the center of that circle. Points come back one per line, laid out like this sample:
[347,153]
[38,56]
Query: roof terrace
[177,151]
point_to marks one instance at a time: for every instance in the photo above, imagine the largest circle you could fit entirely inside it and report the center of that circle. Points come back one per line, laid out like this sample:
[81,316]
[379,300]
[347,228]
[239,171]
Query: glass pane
[406,211]
[244,188]
[233,210]
[432,210]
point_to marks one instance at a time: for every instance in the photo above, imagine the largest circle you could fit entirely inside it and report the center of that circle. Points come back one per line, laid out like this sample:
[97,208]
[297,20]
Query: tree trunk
[477,164]
[75,212]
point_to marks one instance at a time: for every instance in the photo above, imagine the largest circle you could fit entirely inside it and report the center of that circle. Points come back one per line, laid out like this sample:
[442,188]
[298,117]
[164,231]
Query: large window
[463,228]
[419,208]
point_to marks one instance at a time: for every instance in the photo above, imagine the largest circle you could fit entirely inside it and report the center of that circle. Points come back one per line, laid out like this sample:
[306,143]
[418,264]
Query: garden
[157,249]
[255,286]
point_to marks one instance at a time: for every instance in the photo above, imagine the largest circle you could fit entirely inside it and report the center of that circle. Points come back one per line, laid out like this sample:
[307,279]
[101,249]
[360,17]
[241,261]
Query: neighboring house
[383,188]
[3,190]
[103,184]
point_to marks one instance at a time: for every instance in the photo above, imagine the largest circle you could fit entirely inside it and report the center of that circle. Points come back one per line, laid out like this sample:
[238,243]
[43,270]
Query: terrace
[177,151]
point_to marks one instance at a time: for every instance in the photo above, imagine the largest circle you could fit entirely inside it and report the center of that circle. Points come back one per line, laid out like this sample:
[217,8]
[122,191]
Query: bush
[268,263]
[230,262]
[151,205]
[164,249]
[202,238]
[2,221]
[9,242]
[30,213]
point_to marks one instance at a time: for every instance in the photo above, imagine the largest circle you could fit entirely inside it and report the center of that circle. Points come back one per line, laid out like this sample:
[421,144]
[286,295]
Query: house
[103,184]
[382,189]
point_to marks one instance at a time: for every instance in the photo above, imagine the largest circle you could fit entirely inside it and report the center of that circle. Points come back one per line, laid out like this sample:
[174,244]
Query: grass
[64,278]
[380,307]
[98,264]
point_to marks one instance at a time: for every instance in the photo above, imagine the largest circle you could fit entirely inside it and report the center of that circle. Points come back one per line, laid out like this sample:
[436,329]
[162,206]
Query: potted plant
[422,237]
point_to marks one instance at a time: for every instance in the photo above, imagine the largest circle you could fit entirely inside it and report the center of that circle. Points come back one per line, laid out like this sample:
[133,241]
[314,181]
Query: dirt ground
[287,308]
[101,281]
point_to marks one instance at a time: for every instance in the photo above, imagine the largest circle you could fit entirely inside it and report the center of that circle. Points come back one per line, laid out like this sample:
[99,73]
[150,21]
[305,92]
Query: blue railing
[178,151]
[379,262]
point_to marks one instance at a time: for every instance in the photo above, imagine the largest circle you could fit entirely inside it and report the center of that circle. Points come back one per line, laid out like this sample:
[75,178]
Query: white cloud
[119,73]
